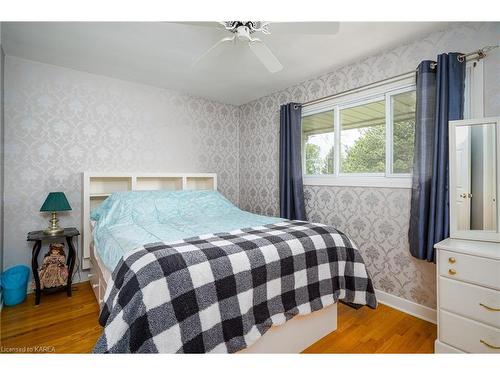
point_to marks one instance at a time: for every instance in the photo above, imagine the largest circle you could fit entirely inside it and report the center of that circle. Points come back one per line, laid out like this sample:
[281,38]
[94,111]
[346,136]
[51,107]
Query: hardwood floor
[384,330]
[69,325]
[59,324]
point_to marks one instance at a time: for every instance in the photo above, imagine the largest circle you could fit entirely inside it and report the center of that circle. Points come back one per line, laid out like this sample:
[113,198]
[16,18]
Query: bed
[186,271]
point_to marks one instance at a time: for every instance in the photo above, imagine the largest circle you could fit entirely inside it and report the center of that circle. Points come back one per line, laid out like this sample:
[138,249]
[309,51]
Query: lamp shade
[56,201]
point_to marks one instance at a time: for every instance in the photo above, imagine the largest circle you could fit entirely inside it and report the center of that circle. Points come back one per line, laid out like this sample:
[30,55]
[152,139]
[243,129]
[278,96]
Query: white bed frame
[292,337]
[98,186]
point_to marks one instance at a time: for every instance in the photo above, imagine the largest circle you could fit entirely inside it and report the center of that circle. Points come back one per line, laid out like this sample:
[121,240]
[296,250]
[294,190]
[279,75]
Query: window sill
[362,181]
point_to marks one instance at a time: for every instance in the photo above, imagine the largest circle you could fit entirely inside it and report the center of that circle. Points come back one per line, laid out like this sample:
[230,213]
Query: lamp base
[53,228]
[53,232]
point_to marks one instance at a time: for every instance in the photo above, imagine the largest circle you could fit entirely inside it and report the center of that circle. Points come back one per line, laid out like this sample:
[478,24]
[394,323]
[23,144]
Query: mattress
[128,220]
[220,293]
[106,273]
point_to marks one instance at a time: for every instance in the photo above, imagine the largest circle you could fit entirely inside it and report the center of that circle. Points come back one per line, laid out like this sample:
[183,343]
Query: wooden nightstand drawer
[468,335]
[469,268]
[471,301]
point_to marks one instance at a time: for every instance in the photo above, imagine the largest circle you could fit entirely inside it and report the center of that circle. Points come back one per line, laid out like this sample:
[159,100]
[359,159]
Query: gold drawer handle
[489,345]
[488,307]
[451,260]
[451,271]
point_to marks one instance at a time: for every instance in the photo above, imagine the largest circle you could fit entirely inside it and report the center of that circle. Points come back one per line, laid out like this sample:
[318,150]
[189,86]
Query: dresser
[468,263]
[468,296]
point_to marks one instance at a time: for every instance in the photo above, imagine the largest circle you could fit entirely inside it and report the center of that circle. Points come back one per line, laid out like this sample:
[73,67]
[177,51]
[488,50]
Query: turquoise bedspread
[128,220]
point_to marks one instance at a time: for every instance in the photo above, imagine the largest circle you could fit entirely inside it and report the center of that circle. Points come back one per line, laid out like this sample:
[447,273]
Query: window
[317,143]
[473,93]
[365,137]
[403,131]
[362,138]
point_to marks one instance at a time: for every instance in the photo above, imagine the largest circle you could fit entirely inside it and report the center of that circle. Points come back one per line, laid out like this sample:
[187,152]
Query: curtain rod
[475,55]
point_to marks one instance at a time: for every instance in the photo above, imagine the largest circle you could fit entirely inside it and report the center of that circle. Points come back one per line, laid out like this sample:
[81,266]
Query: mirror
[475,180]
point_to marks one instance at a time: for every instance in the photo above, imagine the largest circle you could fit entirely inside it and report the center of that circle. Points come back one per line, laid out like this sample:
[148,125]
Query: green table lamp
[55,201]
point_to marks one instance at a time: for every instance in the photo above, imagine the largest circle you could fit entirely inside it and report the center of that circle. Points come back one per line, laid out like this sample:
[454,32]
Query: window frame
[303,150]
[373,93]
[337,160]
[389,128]
[474,90]
[400,84]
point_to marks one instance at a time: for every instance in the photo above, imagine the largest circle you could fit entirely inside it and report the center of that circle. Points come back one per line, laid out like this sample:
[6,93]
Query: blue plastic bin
[15,284]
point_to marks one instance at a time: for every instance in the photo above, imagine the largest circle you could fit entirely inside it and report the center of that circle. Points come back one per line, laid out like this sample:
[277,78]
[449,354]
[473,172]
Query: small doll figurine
[54,271]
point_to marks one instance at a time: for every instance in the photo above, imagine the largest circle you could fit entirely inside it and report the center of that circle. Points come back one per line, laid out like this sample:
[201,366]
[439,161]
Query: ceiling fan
[247,32]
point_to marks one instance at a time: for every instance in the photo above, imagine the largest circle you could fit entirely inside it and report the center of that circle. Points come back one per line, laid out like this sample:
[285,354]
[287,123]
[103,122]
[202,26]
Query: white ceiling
[161,53]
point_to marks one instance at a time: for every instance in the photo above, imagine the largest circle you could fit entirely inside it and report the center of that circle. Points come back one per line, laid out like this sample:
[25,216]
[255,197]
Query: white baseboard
[404,305]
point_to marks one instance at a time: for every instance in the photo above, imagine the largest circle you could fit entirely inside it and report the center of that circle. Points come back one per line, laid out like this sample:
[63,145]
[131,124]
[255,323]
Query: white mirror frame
[479,235]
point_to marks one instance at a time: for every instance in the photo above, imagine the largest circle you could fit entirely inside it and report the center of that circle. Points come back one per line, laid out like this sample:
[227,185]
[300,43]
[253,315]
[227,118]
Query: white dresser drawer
[442,348]
[467,335]
[470,300]
[477,270]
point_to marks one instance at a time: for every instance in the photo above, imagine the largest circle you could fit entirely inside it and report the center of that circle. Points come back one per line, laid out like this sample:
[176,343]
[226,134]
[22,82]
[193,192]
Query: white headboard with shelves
[98,186]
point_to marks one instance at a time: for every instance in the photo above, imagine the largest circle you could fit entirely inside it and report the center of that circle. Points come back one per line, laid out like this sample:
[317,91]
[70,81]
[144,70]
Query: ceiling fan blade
[311,28]
[211,24]
[265,56]
[214,47]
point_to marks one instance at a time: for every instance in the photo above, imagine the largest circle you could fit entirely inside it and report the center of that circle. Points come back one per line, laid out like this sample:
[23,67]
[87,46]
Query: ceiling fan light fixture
[243,33]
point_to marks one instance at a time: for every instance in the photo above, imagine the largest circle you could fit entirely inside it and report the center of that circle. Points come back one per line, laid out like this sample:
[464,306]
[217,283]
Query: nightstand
[38,237]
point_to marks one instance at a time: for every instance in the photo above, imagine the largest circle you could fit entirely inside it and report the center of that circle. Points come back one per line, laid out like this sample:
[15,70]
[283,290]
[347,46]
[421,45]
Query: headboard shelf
[98,186]
[109,184]
[159,183]
[198,183]
[97,196]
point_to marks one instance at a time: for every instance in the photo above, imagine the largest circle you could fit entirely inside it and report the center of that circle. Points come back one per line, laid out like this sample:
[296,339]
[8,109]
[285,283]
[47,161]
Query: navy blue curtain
[440,98]
[291,187]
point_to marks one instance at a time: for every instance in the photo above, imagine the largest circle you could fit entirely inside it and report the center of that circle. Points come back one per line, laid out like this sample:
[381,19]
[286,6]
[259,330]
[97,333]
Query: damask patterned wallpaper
[375,218]
[2,61]
[61,122]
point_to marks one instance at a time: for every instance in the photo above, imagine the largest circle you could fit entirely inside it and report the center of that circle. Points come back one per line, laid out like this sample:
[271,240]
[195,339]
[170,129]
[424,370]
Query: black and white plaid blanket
[221,292]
